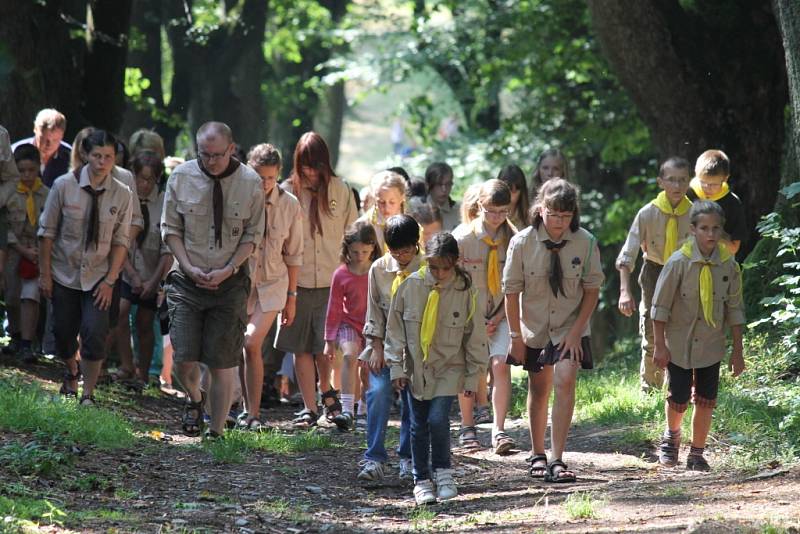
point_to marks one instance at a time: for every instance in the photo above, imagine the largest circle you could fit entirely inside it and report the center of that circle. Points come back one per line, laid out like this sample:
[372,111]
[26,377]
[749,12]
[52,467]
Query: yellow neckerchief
[30,206]
[402,274]
[663,204]
[493,260]
[431,313]
[706,280]
[698,190]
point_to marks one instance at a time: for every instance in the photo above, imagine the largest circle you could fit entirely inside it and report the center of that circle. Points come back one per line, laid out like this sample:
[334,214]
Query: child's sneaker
[483,415]
[445,485]
[695,460]
[668,450]
[344,421]
[406,469]
[423,492]
[371,471]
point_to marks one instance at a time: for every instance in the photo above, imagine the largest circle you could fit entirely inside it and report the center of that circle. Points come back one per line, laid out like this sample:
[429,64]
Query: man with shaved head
[213,217]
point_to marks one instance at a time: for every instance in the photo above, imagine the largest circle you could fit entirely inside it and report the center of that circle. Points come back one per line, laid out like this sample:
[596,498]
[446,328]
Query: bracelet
[291,293]
[234,267]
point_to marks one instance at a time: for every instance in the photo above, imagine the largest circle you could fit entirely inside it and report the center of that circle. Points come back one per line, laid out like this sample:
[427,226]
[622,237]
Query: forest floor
[166,482]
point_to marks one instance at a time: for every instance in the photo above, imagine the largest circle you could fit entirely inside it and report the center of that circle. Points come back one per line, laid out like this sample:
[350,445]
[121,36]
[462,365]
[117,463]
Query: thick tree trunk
[704,79]
[40,64]
[330,117]
[108,24]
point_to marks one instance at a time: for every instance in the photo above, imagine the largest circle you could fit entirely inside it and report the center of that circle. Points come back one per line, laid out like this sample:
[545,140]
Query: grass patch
[33,458]
[237,444]
[421,517]
[23,512]
[28,408]
[106,514]
[675,492]
[283,509]
[582,505]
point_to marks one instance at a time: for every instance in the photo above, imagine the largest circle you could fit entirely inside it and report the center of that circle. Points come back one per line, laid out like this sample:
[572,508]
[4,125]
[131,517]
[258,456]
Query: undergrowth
[237,444]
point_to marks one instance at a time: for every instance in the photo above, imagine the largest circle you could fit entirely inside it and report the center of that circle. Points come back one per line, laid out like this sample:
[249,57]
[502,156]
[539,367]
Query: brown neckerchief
[217,200]
[93,230]
[556,278]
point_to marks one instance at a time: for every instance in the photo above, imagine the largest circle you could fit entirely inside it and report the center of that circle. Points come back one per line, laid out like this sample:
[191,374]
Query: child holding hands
[436,344]
[698,294]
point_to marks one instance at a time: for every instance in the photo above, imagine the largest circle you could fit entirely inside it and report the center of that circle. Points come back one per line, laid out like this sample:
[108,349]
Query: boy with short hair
[712,170]
[658,229]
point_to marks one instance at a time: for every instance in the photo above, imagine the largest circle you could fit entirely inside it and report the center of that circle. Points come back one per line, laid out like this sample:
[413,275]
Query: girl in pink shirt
[347,311]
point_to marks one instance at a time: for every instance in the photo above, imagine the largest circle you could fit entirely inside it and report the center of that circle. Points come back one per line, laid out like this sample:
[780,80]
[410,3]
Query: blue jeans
[380,396]
[430,434]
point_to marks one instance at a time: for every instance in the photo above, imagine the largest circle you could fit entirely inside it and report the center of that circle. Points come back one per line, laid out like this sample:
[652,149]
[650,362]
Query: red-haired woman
[328,207]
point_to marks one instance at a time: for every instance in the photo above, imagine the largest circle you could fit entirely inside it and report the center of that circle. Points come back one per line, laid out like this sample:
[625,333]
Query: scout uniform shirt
[20,229]
[544,317]
[8,167]
[649,232]
[281,246]
[451,212]
[458,354]
[382,274]
[321,251]
[474,260]
[66,219]
[145,252]
[189,213]
[126,177]
[692,342]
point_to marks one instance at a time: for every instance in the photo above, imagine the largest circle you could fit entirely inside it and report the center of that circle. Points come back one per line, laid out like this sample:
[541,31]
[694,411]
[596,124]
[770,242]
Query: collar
[480,232]
[447,208]
[692,252]
[84,181]
[153,196]
[542,235]
[430,281]
[233,165]
[698,190]
[272,198]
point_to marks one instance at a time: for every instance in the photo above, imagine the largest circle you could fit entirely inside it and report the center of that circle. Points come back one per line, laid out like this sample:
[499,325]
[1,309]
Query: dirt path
[175,486]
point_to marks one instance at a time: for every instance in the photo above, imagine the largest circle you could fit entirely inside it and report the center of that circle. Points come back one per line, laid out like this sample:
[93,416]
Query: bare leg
[349,374]
[565,374]
[29,317]
[539,386]
[304,374]
[257,328]
[166,361]
[222,382]
[482,395]
[123,338]
[144,329]
[674,418]
[501,392]
[189,377]
[91,371]
[701,424]
[467,405]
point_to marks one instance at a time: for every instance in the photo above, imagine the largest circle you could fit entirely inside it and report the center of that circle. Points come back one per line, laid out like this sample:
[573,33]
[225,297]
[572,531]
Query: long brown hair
[312,151]
[360,232]
[557,194]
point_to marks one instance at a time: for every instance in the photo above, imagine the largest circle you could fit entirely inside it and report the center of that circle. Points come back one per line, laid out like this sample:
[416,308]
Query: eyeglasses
[209,156]
[445,185]
[496,213]
[710,185]
[558,216]
[405,251]
[678,182]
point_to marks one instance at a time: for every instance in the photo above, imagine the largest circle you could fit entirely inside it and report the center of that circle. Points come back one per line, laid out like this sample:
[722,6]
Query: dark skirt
[536,359]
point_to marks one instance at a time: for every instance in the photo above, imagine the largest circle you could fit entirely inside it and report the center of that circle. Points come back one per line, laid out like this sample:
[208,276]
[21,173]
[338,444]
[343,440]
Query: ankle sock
[696,451]
[348,401]
[672,435]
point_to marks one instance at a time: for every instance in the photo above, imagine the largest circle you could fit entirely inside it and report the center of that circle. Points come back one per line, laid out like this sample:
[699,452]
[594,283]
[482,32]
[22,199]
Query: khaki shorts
[208,326]
[307,333]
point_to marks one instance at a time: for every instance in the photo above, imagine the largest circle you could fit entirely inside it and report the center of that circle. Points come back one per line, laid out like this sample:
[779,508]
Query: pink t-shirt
[347,302]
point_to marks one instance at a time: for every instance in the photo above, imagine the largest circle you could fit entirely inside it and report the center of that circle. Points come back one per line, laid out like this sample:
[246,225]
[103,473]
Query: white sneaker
[406,469]
[445,485]
[370,470]
[423,492]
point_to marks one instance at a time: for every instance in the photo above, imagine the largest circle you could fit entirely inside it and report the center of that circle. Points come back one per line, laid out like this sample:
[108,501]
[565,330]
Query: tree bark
[705,78]
[108,24]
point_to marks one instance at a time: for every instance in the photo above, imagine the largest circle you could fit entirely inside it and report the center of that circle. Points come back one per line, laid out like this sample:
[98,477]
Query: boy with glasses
[658,230]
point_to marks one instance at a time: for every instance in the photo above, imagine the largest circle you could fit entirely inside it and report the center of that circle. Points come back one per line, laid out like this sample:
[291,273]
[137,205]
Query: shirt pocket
[72,224]
[412,320]
[476,268]
[573,287]
[234,216]
[195,218]
[450,329]
[536,283]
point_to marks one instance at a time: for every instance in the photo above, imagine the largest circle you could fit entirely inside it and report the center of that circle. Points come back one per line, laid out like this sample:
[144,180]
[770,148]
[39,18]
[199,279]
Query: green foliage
[32,458]
[237,444]
[26,408]
[20,513]
[583,505]
[136,86]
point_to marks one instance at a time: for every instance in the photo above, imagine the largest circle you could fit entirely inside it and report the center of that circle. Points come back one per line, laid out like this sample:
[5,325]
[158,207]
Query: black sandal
[333,409]
[558,472]
[193,425]
[538,468]
[69,377]
[306,418]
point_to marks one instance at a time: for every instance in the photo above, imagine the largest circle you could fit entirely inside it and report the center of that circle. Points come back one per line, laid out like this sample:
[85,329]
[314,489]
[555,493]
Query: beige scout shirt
[458,355]
[65,219]
[544,317]
[474,260]
[649,232]
[188,213]
[126,177]
[692,342]
[321,252]
[382,274]
[146,257]
[20,231]
[8,167]
[451,213]
[282,246]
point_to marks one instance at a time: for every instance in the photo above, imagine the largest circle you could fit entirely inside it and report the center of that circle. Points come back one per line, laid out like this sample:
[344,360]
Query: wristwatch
[514,335]
[234,267]
[291,293]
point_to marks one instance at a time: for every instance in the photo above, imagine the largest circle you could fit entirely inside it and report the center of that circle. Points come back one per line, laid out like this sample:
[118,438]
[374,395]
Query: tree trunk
[787,13]
[107,27]
[31,79]
[330,117]
[705,78]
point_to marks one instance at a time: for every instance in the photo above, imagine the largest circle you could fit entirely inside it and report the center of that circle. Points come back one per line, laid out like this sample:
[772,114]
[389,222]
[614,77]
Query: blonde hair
[713,163]
[495,193]
[387,180]
[144,139]
[469,203]
[50,119]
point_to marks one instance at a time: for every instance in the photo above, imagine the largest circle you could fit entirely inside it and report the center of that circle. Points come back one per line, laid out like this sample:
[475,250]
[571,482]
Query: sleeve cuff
[471,383]
[735,317]
[373,330]
[513,286]
[395,372]
[659,313]
[293,261]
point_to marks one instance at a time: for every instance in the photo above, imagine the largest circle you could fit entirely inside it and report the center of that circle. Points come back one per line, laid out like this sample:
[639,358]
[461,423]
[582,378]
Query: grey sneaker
[371,471]
[406,469]
[445,485]
[423,492]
